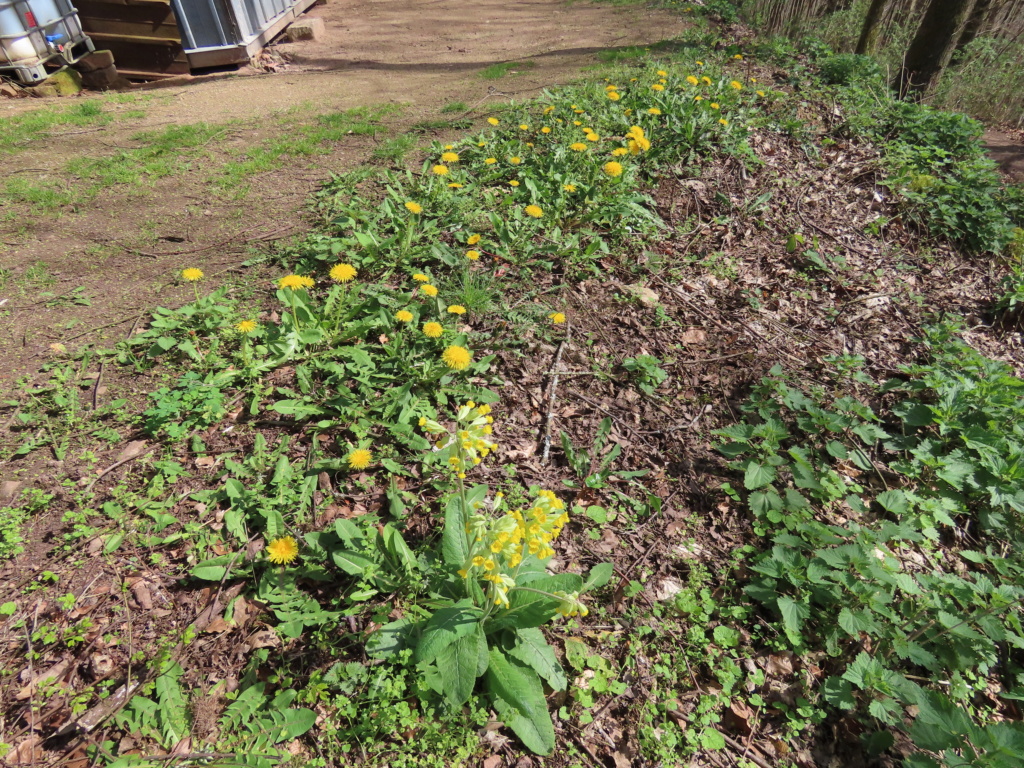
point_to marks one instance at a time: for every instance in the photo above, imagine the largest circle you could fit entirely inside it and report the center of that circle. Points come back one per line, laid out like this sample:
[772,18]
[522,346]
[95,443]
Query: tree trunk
[932,46]
[872,26]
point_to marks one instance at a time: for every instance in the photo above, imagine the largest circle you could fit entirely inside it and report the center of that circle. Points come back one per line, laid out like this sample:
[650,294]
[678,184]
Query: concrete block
[95,60]
[305,29]
[66,80]
[103,79]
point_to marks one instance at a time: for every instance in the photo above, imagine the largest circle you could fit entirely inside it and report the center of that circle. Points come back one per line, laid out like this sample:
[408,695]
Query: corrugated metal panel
[228,31]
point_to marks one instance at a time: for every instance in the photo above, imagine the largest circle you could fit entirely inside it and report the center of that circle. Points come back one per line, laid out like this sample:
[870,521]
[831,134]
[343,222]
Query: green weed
[505,68]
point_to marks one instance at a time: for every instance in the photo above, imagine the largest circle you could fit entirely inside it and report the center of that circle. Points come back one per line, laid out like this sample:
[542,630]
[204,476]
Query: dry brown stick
[746,751]
[546,441]
[117,464]
[96,386]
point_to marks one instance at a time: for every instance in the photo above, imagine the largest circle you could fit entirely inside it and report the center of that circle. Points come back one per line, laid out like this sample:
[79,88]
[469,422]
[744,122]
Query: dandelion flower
[403,316]
[492,120]
[698,98]
[433,330]
[360,458]
[578,146]
[753,79]
[657,87]
[342,273]
[614,96]
[456,309]
[513,183]
[515,160]
[738,57]
[448,146]
[692,80]
[455,185]
[429,290]
[450,157]
[282,551]
[611,87]
[700,63]
[457,358]
[246,326]
[612,168]
[295,281]
[534,211]
[419,277]
[723,121]
[192,274]
[706,80]
[736,84]
[490,161]
[662,73]
[569,187]
[440,170]
[619,152]
[548,110]
[593,137]
[473,239]
[557,318]
[472,255]
[760,93]
[413,207]
[653,111]
[545,129]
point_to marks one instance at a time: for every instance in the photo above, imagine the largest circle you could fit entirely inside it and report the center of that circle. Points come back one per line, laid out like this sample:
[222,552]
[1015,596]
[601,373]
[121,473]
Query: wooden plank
[143,35]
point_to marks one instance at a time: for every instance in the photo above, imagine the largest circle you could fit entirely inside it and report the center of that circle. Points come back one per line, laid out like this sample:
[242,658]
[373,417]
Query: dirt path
[122,247]
[1007,149]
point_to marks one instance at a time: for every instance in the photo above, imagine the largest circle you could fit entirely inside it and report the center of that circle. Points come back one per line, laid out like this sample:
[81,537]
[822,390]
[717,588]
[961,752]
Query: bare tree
[932,46]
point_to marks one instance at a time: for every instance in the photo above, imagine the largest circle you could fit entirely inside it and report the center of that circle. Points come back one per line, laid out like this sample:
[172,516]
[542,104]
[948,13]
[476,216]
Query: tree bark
[932,46]
[872,26]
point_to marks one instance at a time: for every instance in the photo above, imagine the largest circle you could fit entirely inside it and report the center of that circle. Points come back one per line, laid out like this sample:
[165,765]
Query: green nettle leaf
[460,664]
[893,501]
[794,614]
[839,693]
[445,627]
[519,700]
[757,475]
[533,650]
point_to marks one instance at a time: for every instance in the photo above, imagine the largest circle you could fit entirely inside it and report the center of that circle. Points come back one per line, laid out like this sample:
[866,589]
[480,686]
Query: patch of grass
[426,126]
[45,197]
[394,150]
[505,68]
[454,107]
[19,131]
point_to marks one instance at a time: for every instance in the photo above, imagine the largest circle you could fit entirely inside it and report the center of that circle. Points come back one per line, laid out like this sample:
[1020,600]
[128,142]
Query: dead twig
[546,439]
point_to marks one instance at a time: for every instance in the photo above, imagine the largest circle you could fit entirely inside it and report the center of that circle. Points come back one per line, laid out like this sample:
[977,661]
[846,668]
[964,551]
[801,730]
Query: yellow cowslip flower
[613,95]
[578,146]
[612,169]
[515,160]
[342,273]
[457,358]
[569,187]
[295,281]
[490,161]
[653,111]
[534,211]
[524,127]
[429,290]
[282,551]
[714,105]
[403,316]
[192,274]
[478,561]
[419,277]
[413,207]
[657,87]
[473,239]
[736,84]
[450,157]
[493,120]
[440,170]
[545,129]
[513,183]
[456,309]
[619,152]
[557,318]
[360,458]
[433,330]
[723,121]
[472,255]
[246,326]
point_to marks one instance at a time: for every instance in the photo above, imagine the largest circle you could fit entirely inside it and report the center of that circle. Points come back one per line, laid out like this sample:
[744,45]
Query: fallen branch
[546,439]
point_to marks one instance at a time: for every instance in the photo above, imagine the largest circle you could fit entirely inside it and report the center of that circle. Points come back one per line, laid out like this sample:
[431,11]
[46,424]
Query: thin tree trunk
[979,16]
[872,26]
[932,46]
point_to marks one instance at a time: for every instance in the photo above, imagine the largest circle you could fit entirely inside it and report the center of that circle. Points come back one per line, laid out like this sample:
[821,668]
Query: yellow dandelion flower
[490,161]
[578,146]
[429,290]
[448,146]
[738,57]
[593,137]
[472,255]
[456,309]
[700,63]
[557,318]
[246,326]
[282,551]
[569,187]
[457,358]
[753,79]
[706,80]
[612,169]
[529,143]
[653,111]
[419,277]
[657,87]
[545,129]
[576,122]
[515,160]
[714,105]
[611,87]
[473,239]
[295,281]
[433,330]
[455,185]
[534,211]
[342,273]
[450,157]
[524,127]
[513,183]
[360,458]
[413,207]
[662,73]
[440,170]
[403,316]
[613,95]
[493,120]
[192,274]
[692,80]
[698,98]
[760,93]
[736,84]
[548,110]
[723,121]
[619,152]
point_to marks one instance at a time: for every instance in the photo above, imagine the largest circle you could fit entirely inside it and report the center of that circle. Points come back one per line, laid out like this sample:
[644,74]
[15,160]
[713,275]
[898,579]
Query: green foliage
[984,80]
[849,68]
[12,518]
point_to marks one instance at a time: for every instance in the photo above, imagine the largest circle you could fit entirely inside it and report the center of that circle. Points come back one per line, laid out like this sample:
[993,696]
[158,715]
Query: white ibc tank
[26,26]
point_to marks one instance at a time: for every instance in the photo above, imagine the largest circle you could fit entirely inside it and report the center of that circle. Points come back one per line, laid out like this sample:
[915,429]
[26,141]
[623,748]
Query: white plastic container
[33,32]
